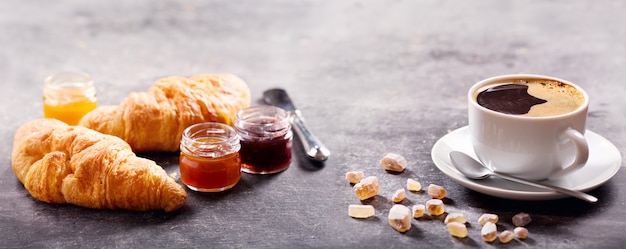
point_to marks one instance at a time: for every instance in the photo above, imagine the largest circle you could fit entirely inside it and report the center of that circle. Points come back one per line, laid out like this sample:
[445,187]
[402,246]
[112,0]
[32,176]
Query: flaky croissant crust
[155,120]
[58,163]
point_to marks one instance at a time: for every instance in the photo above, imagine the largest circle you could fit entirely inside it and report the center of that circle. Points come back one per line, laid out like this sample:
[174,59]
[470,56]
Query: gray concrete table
[371,77]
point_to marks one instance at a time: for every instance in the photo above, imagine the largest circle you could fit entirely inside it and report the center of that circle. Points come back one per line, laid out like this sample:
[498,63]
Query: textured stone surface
[371,77]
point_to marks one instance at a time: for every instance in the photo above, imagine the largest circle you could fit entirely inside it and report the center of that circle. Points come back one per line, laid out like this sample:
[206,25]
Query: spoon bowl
[473,169]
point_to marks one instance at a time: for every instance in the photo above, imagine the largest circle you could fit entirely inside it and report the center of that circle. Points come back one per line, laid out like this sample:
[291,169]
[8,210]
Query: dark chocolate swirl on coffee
[508,98]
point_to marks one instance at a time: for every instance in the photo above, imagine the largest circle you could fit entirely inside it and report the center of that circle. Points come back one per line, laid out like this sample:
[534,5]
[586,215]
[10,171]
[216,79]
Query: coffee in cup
[530,97]
[530,126]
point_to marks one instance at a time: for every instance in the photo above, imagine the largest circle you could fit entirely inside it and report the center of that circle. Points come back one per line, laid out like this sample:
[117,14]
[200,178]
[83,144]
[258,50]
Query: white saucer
[603,163]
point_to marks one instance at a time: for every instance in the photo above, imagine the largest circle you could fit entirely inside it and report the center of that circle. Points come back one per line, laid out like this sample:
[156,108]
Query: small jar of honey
[209,157]
[266,139]
[68,96]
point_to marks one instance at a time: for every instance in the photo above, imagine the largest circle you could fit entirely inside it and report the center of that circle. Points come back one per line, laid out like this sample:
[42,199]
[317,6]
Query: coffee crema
[530,97]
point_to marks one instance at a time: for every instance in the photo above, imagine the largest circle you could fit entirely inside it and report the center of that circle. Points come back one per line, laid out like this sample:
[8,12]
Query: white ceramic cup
[533,148]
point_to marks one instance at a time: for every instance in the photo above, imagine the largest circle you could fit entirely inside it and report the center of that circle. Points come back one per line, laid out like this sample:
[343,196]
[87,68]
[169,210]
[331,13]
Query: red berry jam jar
[266,139]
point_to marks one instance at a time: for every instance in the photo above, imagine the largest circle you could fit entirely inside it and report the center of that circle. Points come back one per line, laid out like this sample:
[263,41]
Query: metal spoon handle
[573,193]
[313,147]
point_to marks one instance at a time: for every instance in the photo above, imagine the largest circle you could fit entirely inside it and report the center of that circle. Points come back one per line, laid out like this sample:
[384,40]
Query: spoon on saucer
[476,170]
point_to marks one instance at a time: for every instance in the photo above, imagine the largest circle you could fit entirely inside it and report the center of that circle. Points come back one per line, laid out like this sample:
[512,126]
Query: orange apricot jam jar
[68,96]
[209,157]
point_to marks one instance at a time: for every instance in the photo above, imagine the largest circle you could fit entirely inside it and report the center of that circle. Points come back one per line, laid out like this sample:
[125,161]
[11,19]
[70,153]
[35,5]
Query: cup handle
[582,153]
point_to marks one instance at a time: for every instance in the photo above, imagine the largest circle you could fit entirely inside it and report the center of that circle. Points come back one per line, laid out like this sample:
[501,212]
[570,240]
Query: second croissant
[155,120]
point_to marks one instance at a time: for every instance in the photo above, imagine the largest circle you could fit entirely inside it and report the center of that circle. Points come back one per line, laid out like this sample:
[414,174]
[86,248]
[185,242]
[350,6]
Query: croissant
[58,163]
[155,120]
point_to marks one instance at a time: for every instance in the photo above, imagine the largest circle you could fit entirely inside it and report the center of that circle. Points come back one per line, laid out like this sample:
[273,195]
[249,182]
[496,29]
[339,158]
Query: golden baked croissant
[58,163]
[155,120]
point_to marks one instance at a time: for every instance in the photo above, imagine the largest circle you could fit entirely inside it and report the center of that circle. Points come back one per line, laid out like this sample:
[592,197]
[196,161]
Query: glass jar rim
[263,119]
[68,79]
[210,139]
[68,87]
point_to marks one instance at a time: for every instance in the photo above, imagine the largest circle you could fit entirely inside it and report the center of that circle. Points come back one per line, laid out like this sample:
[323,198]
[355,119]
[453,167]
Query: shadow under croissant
[72,213]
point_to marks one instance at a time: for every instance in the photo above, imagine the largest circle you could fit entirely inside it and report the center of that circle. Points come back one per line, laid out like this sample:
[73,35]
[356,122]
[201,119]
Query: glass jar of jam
[209,157]
[68,96]
[266,139]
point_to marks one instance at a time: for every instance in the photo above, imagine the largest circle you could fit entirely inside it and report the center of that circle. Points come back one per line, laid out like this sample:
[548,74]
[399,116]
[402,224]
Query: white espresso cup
[547,142]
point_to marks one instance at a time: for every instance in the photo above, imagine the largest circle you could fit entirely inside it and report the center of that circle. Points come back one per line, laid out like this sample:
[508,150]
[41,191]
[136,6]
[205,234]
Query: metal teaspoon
[476,170]
[313,147]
